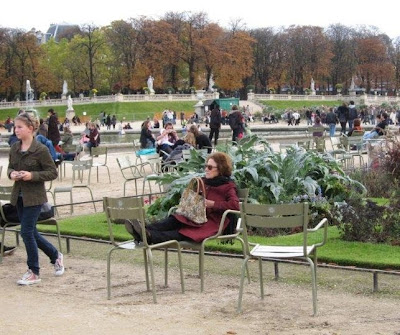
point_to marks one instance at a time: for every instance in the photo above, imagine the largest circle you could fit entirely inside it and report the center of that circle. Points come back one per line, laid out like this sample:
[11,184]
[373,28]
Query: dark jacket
[331,118]
[215,118]
[146,134]
[202,141]
[53,133]
[225,197]
[343,113]
[38,161]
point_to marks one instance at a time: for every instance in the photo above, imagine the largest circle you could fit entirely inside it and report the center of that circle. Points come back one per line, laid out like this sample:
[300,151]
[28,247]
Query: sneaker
[29,278]
[59,265]
[9,250]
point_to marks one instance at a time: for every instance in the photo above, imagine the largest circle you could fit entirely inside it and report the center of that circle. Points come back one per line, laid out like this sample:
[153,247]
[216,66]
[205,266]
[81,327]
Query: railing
[107,99]
[360,99]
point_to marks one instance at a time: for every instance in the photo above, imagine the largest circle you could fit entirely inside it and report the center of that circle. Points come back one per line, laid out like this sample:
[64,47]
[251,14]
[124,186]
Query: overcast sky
[267,13]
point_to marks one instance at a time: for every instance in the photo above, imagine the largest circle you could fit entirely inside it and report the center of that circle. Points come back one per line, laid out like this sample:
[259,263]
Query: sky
[255,14]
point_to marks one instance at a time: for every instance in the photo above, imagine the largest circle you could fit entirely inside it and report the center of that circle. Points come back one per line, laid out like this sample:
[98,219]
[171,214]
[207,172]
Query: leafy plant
[271,177]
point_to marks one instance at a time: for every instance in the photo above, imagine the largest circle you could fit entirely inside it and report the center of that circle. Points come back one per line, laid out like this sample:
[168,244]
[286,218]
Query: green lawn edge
[335,251]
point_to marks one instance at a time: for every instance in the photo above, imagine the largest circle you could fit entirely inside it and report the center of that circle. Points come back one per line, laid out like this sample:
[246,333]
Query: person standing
[236,122]
[343,116]
[215,124]
[53,133]
[331,120]
[30,165]
[352,114]
[114,121]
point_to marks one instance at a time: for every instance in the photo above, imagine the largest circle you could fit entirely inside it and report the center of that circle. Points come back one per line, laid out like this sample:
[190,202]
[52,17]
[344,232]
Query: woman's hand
[25,175]
[209,203]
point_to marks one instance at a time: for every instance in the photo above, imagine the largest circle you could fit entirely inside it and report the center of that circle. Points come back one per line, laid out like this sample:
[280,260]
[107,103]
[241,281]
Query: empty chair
[99,156]
[276,217]
[130,171]
[132,208]
[80,179]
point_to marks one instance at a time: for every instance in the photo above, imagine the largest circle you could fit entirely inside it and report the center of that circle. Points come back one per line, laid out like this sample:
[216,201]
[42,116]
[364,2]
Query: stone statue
[65,88]
[312,84]
[352,85]
[69,104]
[29,92]
[211,83]
[150,81]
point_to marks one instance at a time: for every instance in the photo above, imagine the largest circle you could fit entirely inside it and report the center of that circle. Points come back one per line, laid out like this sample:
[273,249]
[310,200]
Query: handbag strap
[200,183]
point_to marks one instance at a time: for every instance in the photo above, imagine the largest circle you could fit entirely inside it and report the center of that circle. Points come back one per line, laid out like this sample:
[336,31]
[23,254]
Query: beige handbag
[192,204]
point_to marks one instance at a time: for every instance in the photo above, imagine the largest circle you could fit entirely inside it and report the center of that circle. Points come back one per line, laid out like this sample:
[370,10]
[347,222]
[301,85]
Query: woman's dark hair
[224,163]
[51,111]
[168,124]
[144,124]
[195,130]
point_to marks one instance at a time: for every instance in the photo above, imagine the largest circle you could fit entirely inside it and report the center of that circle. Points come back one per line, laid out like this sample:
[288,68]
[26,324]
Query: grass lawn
[283,104]
[337,251]
[131,111]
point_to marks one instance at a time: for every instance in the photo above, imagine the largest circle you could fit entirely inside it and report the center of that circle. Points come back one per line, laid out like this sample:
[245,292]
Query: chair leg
[243,270]
[91,195]
[261,277]
[166,267]
[314,285]
[201,268]
[244,256]
[153,285]
[178,248]
[108,171]
[59,237]
[146,270]
[109,274]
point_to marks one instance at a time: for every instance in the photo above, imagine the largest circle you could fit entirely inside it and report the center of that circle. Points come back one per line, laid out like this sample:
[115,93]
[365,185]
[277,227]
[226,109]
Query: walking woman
[30,165]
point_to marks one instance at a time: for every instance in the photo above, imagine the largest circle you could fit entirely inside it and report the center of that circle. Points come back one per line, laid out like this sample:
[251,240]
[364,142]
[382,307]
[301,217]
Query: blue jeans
[33,240]
[332,129]
[351,122]
[371,135]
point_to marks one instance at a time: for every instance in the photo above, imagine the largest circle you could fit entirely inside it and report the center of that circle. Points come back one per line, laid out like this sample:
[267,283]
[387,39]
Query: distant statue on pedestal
[69,104]
[70,113]
[150,82]
[352,88]
[312,87]
[211,84]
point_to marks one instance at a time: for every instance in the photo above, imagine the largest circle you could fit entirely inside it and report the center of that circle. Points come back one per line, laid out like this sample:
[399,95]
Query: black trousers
[214,132]
[165,230]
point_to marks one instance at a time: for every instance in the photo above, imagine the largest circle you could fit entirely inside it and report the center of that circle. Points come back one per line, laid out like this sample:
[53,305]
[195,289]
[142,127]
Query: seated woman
[188,142]
[147,140]
[221,194]
[94,136]
[202,140]
[356,126]
[318,124]
[167,138]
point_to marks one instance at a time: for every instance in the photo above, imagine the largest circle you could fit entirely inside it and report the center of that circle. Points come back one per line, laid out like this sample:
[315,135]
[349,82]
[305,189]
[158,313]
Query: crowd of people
[33,157]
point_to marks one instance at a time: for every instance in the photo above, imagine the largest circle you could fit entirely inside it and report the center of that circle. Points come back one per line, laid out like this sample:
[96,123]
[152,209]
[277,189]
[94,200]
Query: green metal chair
[99,155]
[276,217]
[119,209]
[219,236]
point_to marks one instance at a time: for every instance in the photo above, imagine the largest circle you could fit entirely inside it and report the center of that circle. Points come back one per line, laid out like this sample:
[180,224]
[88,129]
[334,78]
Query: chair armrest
[172,210]
[323,223]
[223,218]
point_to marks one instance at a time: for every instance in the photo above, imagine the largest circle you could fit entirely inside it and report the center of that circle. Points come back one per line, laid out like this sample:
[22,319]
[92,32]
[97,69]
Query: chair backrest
[136,144]
[99,154]
[154,160]
[82,169]
[319,144]
[128,169]
[312,130]
[186,154]
[72,148]
[5,193]
[358,133]
[117,209]
[274,217]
